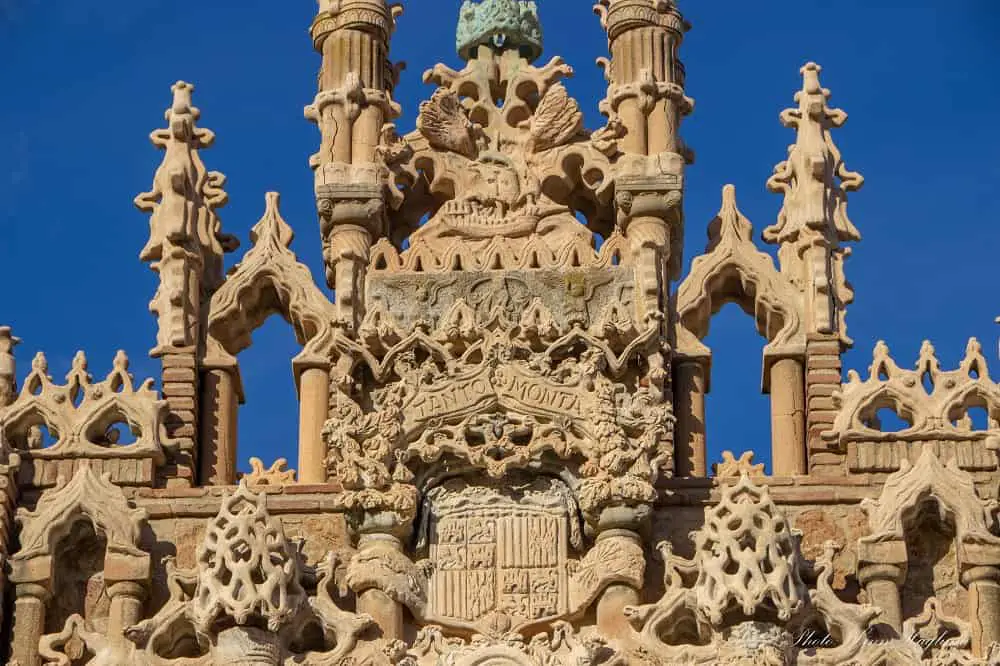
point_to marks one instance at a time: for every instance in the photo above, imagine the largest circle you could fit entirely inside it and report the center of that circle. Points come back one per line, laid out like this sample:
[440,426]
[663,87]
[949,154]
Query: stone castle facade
[502,402]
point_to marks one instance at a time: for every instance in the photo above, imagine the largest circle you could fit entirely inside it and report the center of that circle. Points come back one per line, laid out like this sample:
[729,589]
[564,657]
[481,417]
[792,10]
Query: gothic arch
[269,280]
[905,491]
[87,496]
[734,270]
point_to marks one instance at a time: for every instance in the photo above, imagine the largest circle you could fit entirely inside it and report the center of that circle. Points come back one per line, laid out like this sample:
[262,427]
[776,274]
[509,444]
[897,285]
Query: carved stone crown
[501,23]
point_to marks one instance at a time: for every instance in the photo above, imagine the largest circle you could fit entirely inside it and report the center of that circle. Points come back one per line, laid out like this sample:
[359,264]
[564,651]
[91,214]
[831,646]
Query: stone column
[388,614]
[126,577]
[882,567]
[353,104]
[823,379]
[611,619]
[980,563]
[29,623]
[220,405]
[788,437]
[690,385]
[621,525]
[646,75]
[984,607]
[314,402]
[126,609]
[180,390]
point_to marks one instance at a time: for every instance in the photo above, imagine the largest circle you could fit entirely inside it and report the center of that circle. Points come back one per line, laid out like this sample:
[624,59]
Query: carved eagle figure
[443,122]
[557,120]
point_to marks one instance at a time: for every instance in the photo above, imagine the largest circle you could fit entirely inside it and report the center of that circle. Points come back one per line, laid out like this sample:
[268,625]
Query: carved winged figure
[444,124]
[556,120]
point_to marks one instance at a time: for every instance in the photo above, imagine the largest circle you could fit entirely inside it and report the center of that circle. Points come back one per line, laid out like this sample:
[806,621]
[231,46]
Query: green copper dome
[503,24]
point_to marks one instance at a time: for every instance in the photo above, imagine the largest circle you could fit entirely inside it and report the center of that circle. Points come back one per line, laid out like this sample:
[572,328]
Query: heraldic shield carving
[500,559]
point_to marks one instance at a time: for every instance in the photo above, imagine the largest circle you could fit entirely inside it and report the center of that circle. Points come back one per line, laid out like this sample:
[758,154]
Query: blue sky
[85,83]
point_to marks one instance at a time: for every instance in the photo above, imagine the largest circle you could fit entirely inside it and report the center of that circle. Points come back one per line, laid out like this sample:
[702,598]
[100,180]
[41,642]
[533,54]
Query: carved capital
[374,16]
[127,589]
[984,574]
[648,91]
[871,572]
[33,591]
[380,564]
[621,16]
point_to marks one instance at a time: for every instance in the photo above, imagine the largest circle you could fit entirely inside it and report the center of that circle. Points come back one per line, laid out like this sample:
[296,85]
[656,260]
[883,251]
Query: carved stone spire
[813,221]
[186,243]
[185,248]
[499,24]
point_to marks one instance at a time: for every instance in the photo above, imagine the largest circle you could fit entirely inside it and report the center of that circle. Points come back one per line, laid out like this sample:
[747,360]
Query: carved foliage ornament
[742,596]
[501,151]
[934,403]
[562,647]
[509,411]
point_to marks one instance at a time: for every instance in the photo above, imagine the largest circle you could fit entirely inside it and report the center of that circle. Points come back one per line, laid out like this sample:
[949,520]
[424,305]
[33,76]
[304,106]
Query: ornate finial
[272,226]
[502,24]
[814,179]
[730,223]
[732,467]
